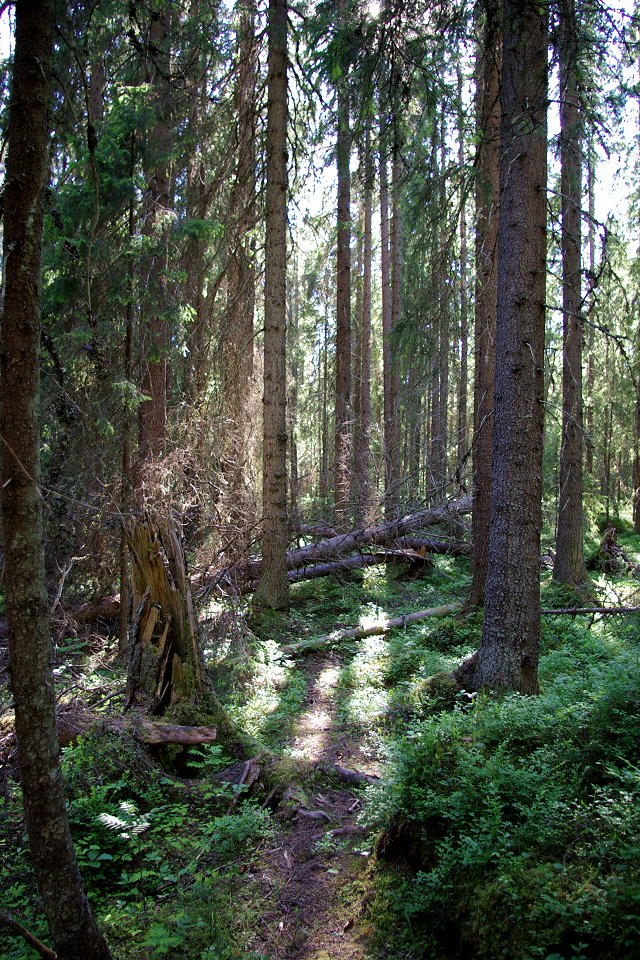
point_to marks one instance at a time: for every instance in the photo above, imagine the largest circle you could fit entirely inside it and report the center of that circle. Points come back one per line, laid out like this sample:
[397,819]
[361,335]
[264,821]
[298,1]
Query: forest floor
[523,814]
[320,860]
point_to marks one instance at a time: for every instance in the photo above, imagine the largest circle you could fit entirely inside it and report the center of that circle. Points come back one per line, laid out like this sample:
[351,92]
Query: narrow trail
[312,879]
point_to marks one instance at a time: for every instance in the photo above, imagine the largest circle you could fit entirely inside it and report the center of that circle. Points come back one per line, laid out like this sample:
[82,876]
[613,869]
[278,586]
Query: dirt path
[312,879]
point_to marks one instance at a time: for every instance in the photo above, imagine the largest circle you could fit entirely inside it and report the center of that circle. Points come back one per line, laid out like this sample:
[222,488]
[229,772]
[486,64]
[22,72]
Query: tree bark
[73,930]
[363,432]
[464,300]
[273,589]
[241,293]
[388,388]
[591,368]
[165,662]
[487,189]
[569,564]
[509,651]
[158,204]
[342,447]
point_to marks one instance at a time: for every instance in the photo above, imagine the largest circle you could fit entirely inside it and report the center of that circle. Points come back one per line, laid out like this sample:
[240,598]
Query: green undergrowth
[160,857]
[511,826]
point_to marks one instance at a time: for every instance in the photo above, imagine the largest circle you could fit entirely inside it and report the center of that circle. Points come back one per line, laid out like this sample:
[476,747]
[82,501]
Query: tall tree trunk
[591,367]
[273,590]
[323,485]
[487,187]
[125,490]
[342,451]
[158,205]
[238,347]
[293,350]
[363,436]
[73,929]
[636,433]
[508,654]
[569,564]
[464,299]
[393,480]
[388,393]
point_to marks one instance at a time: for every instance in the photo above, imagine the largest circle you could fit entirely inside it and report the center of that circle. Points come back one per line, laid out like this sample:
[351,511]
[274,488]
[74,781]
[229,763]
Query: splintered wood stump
[165,662]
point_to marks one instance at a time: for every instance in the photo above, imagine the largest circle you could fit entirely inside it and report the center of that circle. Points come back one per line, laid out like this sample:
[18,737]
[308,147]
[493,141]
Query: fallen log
[582,611]
[345,774]
[155,734]
[443,546]
[347,564]
[375,629]
[381,535]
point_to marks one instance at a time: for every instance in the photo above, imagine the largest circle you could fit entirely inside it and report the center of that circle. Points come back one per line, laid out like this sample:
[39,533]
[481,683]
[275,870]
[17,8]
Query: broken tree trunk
[409,556]
[376,629]
[382,535]
[165,662]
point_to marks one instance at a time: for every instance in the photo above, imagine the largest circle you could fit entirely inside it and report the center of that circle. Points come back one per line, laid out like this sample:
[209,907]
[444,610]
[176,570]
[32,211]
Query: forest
[320,480]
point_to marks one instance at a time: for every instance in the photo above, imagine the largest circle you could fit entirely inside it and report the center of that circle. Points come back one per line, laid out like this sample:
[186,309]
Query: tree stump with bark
[165,662]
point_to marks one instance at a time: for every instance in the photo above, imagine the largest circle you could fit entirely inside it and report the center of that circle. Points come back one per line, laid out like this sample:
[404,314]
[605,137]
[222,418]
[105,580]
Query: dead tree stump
[165,662]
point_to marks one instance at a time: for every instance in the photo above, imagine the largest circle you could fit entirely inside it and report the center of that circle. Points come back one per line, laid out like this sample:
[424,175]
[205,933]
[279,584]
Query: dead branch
[584,611]
[381,535]
[33,942]
[376,629]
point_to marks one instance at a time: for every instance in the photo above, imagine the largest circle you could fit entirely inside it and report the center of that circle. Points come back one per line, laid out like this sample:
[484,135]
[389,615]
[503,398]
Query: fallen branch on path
[375,629]
[343,773]
[583,611]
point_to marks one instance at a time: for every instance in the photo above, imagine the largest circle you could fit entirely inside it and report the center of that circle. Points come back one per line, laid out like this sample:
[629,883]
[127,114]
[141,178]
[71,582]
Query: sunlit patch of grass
[270,701]
[364,697]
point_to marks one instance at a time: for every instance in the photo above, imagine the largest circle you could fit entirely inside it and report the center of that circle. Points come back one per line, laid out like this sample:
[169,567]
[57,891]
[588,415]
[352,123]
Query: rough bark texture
[165,665]
[273,589]
[464,301]
[381,535]
[73,929]
[388,380]
[569,565]
[487,187]
[342,448]
[508,654]
[238,345]
[153,412]
[392,425]
[591,367]
[363,434]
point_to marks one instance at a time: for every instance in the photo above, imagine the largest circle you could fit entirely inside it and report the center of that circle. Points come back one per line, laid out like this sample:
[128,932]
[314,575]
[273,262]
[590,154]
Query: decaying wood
[357,562]
[442,546]
[610,553]
[160,733]
[381,535]
[347,775]
[165,662]
[376,629]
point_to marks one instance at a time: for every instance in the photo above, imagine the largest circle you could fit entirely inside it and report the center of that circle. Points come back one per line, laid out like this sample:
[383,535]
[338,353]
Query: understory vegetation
[500,828]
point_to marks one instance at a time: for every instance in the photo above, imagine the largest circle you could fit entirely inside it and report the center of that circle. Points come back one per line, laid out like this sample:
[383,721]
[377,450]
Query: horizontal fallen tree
[380,535]
[374,629]
[589,611]
[358,562]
